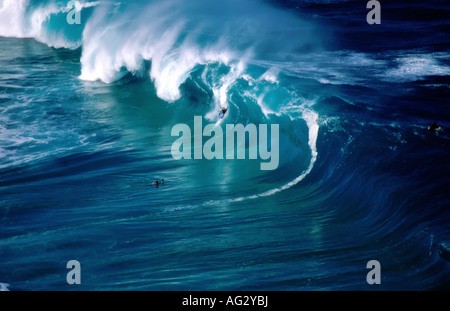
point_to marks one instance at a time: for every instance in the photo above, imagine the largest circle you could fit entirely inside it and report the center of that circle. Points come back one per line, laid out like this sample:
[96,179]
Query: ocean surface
[86,117]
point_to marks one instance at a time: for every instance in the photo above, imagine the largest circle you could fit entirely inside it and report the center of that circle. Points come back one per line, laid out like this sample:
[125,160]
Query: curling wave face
[85,127]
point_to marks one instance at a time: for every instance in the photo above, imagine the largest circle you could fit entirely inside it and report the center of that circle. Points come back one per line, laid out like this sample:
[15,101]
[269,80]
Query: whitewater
[86,113]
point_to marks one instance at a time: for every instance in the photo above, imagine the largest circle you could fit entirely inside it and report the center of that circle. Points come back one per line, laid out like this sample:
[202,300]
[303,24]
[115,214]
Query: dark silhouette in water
[157,183]
[222,112]
[434,127]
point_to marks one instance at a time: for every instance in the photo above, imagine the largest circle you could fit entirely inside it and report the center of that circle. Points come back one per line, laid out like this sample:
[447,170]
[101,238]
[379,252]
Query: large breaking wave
[168,41]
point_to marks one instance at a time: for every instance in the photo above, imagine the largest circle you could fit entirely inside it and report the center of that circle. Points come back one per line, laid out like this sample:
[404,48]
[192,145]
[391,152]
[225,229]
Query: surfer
[222,112]
[434,127]
[157,183]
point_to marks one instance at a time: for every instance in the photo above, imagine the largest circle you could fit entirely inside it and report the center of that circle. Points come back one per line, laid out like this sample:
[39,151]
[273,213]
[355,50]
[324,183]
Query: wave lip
[45,23]
[176,36]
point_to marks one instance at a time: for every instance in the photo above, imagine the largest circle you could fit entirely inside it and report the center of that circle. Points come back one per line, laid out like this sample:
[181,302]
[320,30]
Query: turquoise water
[86,113]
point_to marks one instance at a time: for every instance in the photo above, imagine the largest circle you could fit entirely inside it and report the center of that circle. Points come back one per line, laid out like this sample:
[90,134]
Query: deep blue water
[86,113]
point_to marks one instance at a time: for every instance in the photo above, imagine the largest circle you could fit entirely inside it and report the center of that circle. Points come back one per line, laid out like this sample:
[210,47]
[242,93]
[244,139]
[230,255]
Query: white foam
[120,45]
[271,75]
[4,287]
[221,87]
[413,67]
[12,18]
